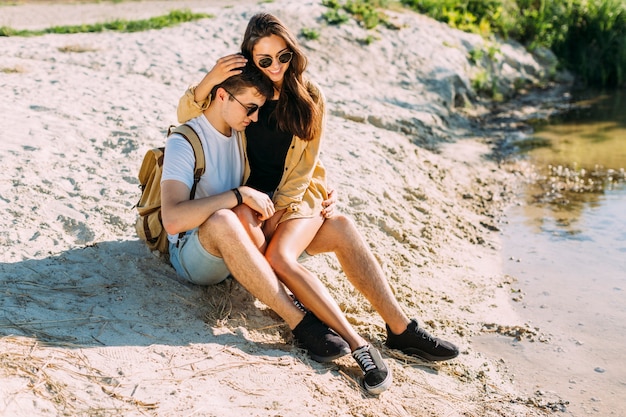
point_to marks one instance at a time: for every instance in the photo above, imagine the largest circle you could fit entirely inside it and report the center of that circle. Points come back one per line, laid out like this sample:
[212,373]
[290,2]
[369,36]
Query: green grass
[310,34]
[175,17]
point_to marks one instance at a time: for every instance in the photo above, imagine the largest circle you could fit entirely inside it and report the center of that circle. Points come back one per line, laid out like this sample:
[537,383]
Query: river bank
[564,245]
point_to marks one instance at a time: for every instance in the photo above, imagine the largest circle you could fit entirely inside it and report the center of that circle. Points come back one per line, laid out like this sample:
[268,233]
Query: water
[567,253]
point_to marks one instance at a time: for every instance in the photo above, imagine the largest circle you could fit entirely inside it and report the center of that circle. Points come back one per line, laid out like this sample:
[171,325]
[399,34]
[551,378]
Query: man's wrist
[238,195]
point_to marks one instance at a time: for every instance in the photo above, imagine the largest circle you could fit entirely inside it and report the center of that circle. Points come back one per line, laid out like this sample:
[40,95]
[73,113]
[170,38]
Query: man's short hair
[250,76]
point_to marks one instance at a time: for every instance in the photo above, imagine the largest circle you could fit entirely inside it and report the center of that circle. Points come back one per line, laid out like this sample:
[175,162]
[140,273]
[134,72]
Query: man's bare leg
[223,235]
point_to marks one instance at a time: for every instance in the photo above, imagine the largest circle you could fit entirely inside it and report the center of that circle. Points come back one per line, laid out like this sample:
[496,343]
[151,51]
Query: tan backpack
[149,225]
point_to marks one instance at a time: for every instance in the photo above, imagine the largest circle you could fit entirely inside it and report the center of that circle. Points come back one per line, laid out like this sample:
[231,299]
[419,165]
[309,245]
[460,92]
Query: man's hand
[328,205]
[257,201]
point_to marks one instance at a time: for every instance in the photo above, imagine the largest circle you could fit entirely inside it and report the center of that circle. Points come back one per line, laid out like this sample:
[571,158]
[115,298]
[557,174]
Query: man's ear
[221,94]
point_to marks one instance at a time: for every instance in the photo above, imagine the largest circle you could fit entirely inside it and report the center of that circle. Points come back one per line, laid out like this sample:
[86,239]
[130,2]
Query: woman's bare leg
[287,244]
[339,235]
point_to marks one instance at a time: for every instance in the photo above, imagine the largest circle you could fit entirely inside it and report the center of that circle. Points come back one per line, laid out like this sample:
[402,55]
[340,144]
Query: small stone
[599,370]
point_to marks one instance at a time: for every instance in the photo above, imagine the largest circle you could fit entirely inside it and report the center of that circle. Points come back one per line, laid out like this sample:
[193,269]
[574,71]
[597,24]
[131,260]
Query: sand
[93,324]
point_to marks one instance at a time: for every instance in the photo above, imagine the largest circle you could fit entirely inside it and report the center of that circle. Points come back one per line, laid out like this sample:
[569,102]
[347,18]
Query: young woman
[283,153]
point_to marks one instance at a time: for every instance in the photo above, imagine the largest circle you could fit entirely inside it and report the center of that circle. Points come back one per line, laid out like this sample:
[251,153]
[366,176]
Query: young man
[215,244]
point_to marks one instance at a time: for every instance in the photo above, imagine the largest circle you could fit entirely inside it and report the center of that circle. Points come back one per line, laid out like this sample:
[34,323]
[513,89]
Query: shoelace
[426,336]
[365,358]
[297,303]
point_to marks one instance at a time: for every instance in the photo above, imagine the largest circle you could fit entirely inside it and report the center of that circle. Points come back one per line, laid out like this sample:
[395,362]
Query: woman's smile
[271,47]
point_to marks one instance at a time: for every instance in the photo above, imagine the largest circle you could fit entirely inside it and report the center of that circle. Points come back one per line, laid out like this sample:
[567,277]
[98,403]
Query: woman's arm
[197,98]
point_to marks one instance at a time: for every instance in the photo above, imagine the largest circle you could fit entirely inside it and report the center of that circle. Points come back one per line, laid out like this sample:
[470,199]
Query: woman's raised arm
[198,97]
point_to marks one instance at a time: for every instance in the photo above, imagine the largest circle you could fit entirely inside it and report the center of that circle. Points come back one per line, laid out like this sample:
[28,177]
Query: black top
[267,149]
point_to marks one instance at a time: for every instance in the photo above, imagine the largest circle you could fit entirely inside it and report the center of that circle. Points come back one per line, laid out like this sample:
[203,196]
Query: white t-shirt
[223,155]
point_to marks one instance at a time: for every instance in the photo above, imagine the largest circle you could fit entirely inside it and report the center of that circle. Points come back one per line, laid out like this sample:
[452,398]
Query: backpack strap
[191,136]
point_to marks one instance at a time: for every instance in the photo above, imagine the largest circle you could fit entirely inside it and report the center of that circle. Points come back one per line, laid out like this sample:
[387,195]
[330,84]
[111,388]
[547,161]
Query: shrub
[366,12]
[588,36]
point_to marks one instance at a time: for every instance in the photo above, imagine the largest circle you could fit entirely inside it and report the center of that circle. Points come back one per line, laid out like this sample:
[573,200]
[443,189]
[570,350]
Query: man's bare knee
[220,225]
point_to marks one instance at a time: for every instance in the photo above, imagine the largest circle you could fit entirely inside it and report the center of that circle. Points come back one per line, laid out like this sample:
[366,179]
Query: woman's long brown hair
[299,111]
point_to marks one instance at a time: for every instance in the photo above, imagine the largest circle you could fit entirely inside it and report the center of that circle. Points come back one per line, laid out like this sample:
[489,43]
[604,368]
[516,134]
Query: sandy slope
[93,324]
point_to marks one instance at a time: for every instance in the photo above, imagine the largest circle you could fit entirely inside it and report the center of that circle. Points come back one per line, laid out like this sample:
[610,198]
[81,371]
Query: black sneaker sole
[423,355]
[382,387]
[325,359]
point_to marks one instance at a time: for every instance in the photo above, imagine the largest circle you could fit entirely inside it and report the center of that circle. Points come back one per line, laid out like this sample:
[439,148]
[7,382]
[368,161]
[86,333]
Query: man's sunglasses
[250,110]
[282,58]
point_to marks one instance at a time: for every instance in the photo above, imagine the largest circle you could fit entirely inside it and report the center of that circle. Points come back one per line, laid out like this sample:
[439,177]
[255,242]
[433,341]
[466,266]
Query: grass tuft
[173,18]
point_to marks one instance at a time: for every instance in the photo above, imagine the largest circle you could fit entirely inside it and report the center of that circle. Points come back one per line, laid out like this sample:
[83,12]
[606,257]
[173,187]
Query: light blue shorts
[192,262]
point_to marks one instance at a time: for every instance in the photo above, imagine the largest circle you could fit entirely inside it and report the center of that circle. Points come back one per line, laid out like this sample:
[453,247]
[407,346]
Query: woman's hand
[328,205]
[224,68]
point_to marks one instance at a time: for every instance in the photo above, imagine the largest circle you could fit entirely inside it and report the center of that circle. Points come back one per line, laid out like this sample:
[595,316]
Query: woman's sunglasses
[282,58]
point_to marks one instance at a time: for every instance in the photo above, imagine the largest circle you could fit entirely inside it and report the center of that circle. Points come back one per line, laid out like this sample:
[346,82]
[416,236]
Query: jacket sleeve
[308,170]
[188,107]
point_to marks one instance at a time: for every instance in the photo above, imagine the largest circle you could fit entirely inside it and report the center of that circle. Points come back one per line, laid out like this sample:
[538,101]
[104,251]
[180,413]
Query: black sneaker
[417,342]
[377,377]
[321,343]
